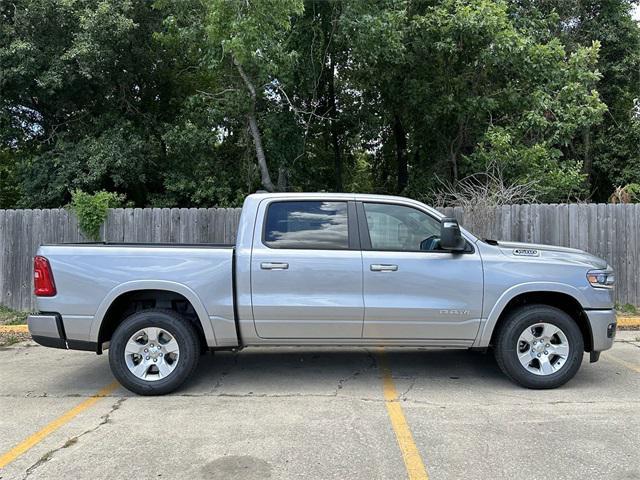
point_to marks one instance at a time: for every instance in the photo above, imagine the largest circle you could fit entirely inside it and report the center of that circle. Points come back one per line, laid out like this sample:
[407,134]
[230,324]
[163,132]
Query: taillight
[44,286]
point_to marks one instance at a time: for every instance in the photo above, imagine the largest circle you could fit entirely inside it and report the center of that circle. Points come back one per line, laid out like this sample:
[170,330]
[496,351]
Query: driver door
[412,289]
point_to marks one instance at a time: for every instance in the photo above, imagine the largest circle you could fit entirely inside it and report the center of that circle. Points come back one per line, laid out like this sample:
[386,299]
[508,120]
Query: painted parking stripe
[65,418]
[410,454]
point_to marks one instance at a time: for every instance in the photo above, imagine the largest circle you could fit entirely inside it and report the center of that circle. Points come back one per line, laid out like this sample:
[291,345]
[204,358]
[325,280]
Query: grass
[9,316]
[10,340]
[627,309]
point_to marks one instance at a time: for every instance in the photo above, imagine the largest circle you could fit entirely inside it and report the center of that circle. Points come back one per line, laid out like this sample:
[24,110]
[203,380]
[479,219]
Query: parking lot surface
[319,413]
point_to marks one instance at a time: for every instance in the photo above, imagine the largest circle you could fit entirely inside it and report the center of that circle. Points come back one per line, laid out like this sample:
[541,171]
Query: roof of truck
[346,196]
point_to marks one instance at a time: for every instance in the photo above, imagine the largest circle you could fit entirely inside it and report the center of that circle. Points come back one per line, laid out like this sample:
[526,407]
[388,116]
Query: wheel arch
[560,296]
[109,313]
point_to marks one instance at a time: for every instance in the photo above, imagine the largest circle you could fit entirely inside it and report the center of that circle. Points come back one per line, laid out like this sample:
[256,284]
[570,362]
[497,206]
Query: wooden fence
[606,230]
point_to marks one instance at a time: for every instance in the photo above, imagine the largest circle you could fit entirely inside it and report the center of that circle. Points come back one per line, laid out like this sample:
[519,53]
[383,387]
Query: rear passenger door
[306,270]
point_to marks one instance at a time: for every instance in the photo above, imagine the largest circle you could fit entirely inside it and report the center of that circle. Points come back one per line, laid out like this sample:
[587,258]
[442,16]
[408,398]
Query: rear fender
[169,286]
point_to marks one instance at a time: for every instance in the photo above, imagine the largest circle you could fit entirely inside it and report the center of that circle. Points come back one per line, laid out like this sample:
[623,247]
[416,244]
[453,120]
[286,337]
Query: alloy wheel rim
[543,349]
[152,354]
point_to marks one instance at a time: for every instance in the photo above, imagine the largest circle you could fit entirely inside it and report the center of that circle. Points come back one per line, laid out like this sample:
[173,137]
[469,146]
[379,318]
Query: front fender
[166,285]
[488,324]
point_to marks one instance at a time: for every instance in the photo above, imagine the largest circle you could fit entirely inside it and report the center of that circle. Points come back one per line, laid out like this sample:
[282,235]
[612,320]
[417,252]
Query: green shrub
[627,309]
[92,210]
[9,316]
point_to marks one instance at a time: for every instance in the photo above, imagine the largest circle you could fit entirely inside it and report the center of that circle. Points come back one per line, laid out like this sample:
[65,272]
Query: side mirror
[450,237]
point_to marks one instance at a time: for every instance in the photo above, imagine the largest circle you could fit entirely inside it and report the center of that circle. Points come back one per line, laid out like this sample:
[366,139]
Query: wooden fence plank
[11,254]
[3,241]
[129,229]
[632,252]
[156,225]
[218,224]
[174,236]
[635,299]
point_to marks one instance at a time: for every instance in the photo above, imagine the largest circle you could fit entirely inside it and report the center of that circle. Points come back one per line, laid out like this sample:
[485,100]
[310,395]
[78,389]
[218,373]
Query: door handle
[274,266]
[378,267]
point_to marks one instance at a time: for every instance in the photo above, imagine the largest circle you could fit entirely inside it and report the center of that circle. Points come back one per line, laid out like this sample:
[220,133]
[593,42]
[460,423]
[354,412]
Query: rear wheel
[153,352]
[539,346]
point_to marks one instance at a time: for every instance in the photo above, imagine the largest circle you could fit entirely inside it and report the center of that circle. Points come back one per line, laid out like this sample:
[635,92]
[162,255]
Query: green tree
[610,150]
[202,102]
[9,186]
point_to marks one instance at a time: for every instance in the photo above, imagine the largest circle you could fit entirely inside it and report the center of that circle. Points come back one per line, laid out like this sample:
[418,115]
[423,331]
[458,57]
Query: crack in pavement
[373,363]
[336,394]
[104,419]
[234,364]
[629,342]
[369,399]
[403,396]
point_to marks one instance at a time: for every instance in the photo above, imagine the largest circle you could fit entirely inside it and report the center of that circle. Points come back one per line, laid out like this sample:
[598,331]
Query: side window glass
[400,228]
[307,224]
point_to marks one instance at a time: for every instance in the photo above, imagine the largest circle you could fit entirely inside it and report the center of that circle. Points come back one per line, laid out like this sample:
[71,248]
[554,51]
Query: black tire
[506,347]
[182,330]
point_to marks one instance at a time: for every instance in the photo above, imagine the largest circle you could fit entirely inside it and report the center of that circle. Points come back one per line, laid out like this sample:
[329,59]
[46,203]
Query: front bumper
[47,329]
[603,328]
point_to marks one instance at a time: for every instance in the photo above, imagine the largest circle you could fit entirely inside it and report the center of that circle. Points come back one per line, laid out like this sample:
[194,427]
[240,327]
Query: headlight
[601,279]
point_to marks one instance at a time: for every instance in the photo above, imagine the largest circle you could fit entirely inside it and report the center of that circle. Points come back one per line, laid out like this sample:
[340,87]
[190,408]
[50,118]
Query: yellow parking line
[66,417]
[624,363]
[14,329]
[412,460]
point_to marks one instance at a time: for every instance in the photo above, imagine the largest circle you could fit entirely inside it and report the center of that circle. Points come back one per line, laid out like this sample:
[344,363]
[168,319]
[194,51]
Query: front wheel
[539,346]
[153,352]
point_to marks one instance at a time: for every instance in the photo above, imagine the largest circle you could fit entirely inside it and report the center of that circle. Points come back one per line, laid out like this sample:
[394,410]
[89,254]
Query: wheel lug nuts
[534,342]
[538,355]
[155,359]
[152,345]
[160,354]
[146,350]
[546,353]
[548,345]
[148,357]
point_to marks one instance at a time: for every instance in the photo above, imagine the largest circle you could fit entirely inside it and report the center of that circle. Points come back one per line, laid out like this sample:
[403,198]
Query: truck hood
[553,253]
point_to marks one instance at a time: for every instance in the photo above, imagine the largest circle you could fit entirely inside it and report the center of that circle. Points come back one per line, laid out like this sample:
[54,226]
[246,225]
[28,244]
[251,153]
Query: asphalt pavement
[319,413]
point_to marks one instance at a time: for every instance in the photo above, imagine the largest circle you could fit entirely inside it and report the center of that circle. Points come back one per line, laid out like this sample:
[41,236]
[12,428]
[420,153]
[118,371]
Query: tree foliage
[200,102]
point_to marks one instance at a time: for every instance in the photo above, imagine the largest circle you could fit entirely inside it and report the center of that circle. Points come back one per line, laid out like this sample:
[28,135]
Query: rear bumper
[603,328]
[47,329]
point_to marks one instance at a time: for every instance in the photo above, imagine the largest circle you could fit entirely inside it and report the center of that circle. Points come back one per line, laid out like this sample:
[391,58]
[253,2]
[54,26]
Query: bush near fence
[606,230]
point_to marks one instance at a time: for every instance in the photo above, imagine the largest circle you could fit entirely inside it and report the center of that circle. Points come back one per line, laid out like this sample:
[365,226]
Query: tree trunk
[255,131]
[401,153]
[453,160]
[335,141]
[283,179]
[454,151]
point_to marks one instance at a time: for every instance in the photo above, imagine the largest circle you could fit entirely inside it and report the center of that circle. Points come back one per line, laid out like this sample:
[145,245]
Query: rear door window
[314,225]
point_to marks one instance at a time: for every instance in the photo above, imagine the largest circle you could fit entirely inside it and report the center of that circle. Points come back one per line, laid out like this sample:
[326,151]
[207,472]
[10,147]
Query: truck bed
[89,277]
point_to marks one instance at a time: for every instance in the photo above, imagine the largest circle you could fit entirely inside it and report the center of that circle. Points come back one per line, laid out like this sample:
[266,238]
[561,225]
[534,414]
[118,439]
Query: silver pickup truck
[326,269]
